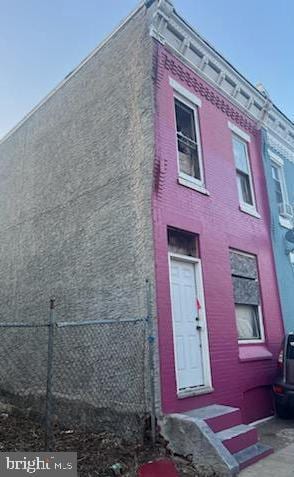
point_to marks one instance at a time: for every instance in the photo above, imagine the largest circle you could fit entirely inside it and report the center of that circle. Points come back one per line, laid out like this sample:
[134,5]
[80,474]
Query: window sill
[185,393]
[286,223]
[249,211]
[192,185]
[253,352]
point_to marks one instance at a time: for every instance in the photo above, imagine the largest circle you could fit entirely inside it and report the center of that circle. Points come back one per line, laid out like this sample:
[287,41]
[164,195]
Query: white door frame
[202,321]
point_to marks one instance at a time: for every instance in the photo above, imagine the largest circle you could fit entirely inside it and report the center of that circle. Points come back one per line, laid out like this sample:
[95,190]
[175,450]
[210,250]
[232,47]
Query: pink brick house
[218,309]
[219,319]
[152,150]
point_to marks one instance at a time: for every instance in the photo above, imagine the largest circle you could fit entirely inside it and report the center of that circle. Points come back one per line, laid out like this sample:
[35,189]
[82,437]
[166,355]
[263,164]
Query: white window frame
[207,388]
[244,138]
[261,326]
[279,163]
[259,307]
[193,102]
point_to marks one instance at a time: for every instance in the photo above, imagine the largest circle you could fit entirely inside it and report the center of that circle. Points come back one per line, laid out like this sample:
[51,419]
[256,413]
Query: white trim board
[185,92]
[200,183]
[239,132]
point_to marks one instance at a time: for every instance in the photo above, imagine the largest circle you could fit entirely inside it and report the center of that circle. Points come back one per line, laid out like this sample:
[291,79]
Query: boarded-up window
[245,278]
[246,295]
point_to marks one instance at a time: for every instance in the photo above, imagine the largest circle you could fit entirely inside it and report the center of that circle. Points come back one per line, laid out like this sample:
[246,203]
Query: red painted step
[224,421]
[159,468]
[238,438]
[218,417]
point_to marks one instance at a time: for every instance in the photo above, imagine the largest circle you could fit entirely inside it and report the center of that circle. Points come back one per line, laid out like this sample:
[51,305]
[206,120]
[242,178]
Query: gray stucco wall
[75,194]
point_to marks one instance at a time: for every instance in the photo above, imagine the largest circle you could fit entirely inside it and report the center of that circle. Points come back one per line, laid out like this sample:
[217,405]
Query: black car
[283,388]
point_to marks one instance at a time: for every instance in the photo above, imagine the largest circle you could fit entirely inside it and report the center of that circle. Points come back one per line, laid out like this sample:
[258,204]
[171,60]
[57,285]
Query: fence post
[48,417]
[151,340]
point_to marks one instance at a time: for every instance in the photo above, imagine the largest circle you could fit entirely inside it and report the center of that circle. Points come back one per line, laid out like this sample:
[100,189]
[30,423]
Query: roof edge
[70,75]
[172,30]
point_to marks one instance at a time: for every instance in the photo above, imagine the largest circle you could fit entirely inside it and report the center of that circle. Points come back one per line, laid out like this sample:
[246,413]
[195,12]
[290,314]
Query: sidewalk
[279,434]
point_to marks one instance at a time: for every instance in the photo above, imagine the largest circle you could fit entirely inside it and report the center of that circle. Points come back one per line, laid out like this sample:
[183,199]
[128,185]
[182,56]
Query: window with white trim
[243,171]
[248,325]
[276,175]
[188,140]
[246,296]
[281,194]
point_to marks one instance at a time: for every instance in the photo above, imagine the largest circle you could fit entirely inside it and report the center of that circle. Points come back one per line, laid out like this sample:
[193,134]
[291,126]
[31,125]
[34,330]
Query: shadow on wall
[257,404]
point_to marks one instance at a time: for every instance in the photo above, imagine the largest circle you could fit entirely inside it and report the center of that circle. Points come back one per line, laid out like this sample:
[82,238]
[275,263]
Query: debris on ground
[158,468]
[99,454]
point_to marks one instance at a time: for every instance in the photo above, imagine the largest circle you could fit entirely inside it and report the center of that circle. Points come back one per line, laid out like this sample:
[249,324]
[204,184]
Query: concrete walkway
[279,434]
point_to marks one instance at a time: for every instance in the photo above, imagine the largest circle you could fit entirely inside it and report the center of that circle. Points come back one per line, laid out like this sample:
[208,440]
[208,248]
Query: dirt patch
[97,452]
[277,433]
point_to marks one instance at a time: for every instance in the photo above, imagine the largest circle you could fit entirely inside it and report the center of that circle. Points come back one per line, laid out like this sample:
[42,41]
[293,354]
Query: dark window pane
[188,159]
[240,155]
[185,121]
[187,143]
[290,347]
[277,184]
[279,195]
[244,187]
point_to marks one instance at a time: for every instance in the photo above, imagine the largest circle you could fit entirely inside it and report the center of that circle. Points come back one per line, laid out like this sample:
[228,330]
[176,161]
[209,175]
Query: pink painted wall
[220,225]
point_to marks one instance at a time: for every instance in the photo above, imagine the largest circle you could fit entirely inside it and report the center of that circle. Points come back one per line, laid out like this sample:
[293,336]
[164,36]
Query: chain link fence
[91,375]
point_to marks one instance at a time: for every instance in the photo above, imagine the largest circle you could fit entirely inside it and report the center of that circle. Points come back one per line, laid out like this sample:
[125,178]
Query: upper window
[188,141]
[285,209]
[276,173]
[244,179]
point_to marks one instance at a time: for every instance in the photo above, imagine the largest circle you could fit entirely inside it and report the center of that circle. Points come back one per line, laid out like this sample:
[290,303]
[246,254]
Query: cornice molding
[276,146]
[200,87]
[171,30]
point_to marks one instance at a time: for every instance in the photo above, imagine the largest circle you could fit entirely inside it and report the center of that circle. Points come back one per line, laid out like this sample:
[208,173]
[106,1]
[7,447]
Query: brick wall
[220,225]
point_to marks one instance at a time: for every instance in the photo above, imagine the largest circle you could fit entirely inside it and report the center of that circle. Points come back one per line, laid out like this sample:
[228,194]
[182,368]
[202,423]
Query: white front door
[187,326]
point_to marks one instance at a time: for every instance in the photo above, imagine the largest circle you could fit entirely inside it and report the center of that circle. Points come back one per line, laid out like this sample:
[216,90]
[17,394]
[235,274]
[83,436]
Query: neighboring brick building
[146,162]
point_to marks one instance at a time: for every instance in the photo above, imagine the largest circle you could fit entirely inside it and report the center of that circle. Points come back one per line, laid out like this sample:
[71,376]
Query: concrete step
[218,429]
[217,416]
[252,454]
[238,437]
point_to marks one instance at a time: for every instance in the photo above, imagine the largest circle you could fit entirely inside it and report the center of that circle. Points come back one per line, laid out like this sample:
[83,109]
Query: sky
[41,41]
